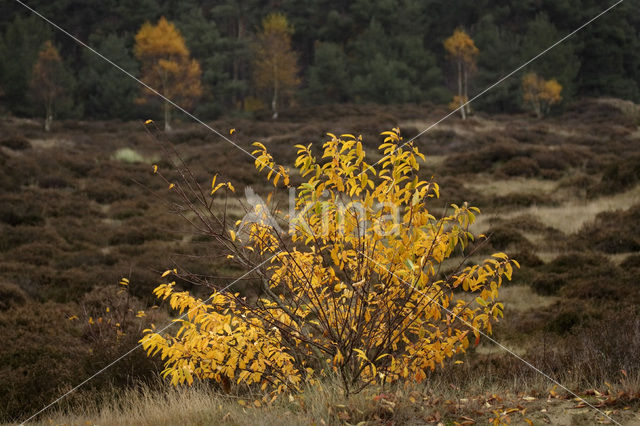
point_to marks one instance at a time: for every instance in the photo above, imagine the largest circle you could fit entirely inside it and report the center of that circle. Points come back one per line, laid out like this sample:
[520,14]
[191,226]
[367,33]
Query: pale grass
[202,405]
[51,143]
[548,256]
[569,217]
[172,406]
[325,404]
[318,404]
[523,298]
[433,161]
[131,156]
[490,186]
[535,238]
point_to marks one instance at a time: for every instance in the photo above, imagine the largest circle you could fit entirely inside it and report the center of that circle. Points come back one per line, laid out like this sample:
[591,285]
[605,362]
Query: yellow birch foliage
[275,67]
[355,288]
[166,65]
[456,102]
[539,94]
[461,46]
[46,82]
[463,52]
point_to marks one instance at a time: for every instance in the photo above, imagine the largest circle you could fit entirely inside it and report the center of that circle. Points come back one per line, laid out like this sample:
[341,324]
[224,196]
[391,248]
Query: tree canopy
[167,65]
[360,51]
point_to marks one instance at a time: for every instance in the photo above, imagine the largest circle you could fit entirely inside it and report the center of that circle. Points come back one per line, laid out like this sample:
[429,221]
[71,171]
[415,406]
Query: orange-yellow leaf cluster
[355,288]
[166,64]
[539,93]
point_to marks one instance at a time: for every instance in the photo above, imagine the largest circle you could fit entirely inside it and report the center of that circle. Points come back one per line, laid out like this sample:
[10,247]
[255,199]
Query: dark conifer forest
[364,51]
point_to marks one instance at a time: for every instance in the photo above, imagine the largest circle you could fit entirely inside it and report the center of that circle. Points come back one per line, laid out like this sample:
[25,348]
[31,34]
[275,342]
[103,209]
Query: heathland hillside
[80,208]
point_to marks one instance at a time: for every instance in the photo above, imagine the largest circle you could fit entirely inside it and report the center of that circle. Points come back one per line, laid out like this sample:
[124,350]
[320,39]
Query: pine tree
[106,91]
[328,78]
[23,39]
[560,62]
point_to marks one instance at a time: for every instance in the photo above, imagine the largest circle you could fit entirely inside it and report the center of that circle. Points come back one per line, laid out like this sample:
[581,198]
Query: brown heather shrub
[43,283]
[11,295]
[506,238]
[595,349]
[549,283]
[579,183]
[79,233]
[84,258]
[138,230]
[15,143]
[54,182]
[104,191]
[582,275]
[618,176]
[526,222]
[580,350]
[41,355]
[192,135]
[631,262]
[515,199]
[564,321]
[69,285]
[483,160]
[126,209]
[112,321]
[612,232]
[30,278]
[551,160]
[72,204]
[600,112]
[520,166]
[15,236]
[456,192]
[527,258]
[20,210]
[35,253]
[45,353]
[77,165]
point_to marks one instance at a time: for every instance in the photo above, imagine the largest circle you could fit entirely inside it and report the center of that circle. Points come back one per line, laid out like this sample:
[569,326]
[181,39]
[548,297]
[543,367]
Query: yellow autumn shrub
[539,94]
[355,287]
